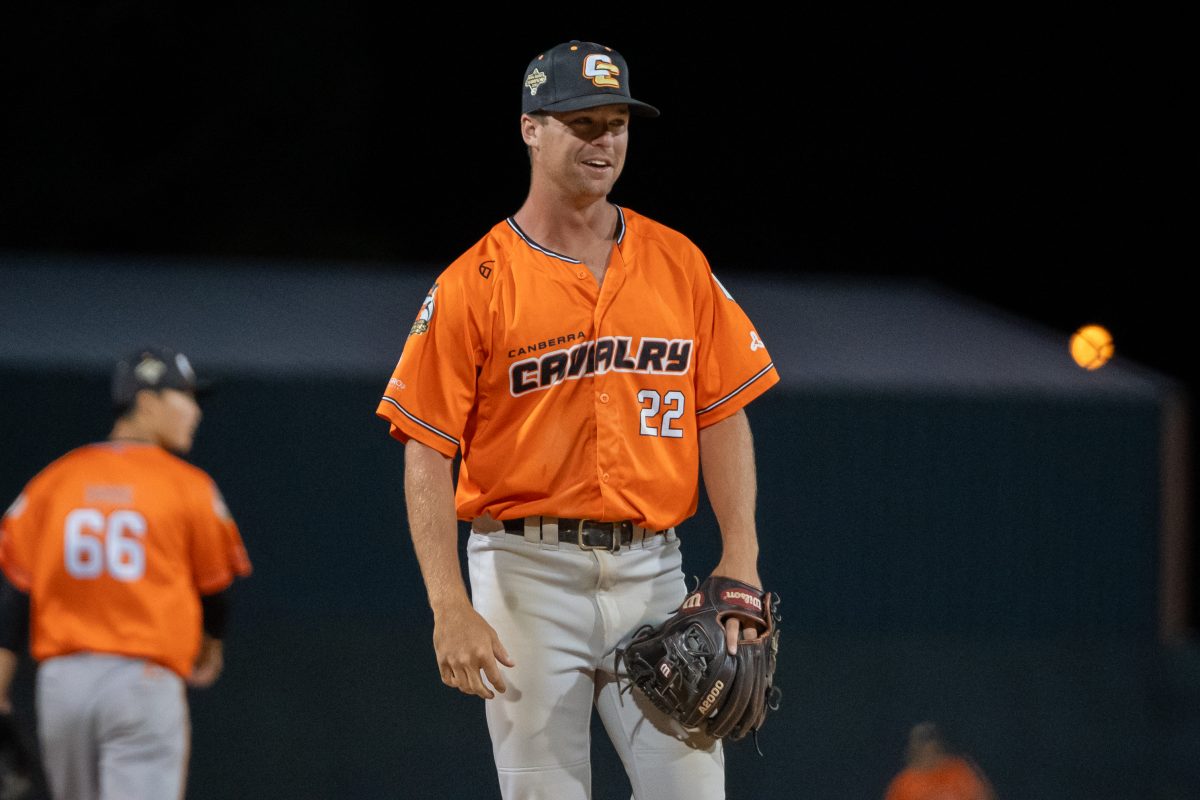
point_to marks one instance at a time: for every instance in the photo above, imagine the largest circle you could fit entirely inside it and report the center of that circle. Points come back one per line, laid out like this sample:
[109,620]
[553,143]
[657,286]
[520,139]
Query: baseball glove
[683,667]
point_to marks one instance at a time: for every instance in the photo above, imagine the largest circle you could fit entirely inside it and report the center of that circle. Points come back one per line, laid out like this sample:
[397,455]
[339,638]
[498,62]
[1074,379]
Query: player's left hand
[209,663]
[679,666]
[733,626]
[735,631]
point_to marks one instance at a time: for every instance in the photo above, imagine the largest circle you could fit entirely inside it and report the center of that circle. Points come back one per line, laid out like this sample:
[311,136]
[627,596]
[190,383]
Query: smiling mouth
[597,164]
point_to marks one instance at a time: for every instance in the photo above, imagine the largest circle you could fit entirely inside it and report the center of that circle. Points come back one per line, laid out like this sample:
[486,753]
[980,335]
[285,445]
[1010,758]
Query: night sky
[1035,162]
[1029,162]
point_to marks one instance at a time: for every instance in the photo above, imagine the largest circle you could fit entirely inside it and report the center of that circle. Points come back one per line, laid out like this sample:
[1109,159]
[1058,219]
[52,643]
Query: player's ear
[531,127]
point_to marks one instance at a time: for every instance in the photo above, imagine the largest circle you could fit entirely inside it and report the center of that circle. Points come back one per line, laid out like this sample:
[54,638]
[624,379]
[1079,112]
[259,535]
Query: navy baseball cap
[576,75]
[153,368]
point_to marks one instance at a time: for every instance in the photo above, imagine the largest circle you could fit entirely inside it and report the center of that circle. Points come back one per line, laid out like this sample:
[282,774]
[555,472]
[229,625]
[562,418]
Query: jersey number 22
[672,406]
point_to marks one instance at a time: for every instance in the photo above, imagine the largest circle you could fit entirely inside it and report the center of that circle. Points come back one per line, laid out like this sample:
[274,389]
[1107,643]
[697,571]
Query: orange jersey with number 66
[114,543]
[569,398]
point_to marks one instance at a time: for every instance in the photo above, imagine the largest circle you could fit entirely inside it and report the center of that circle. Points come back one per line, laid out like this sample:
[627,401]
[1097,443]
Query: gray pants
[112,728]
[560,612]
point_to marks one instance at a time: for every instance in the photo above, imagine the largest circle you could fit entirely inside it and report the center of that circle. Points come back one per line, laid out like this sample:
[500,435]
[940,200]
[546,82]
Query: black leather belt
[589,534]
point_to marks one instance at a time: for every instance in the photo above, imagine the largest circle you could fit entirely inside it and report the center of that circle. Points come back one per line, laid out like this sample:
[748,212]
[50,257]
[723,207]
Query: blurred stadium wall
[964,526]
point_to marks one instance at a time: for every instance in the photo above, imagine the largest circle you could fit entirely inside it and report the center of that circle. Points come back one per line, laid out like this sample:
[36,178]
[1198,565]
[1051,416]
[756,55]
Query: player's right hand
[209,663]
[465,644]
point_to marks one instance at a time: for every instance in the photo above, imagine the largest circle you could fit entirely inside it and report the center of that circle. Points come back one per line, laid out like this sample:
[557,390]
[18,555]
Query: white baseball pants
[560,612]
[112,728]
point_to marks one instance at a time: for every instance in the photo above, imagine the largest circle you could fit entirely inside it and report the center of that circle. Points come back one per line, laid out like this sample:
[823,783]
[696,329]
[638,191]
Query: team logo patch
[533,80]
[755,341]
[744,599]
[425,315]
[601,69]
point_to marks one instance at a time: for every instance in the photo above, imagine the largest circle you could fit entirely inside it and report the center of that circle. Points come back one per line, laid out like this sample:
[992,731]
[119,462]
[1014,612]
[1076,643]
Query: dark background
[1040,162]
[1036,162]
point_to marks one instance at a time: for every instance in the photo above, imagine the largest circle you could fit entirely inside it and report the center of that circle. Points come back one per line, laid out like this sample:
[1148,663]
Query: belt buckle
[613,546]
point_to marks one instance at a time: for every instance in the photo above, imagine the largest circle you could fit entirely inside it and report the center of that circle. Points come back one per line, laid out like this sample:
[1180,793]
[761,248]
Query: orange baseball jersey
[951,779]
[114,543]
[569,398]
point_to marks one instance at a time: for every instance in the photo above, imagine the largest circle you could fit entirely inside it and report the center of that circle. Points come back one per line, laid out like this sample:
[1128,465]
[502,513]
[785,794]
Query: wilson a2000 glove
[683,666]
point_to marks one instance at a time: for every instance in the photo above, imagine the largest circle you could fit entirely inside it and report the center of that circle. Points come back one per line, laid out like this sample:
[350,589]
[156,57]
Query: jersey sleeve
[733,366]
[218,554]
[432,390]
[17,531]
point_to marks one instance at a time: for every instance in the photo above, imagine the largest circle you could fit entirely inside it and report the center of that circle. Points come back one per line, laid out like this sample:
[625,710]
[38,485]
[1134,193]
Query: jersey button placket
[608,437]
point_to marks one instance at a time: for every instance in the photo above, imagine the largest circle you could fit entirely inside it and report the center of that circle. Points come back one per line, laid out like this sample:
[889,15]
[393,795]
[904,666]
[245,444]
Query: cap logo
[601,69]
[533,80]
[149,371]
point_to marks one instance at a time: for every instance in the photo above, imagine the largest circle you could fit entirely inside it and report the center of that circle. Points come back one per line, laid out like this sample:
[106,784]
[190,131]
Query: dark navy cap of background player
[153,368]
[576,75]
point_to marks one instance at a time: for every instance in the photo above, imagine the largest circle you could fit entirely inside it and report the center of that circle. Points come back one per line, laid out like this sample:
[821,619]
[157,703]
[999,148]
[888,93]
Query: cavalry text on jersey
[605,354]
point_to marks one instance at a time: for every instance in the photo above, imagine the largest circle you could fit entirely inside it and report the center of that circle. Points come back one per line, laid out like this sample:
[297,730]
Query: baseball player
[586,362]
[931,771]
[116,561]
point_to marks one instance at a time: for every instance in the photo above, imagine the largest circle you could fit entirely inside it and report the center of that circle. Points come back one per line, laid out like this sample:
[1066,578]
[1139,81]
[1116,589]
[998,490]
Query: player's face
[176,415]
[582,152]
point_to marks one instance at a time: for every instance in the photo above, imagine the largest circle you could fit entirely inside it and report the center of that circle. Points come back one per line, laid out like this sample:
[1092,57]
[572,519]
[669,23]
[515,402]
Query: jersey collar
[619,238]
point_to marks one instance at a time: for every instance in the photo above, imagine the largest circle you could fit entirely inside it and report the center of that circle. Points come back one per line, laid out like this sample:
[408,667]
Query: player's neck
[563,225]
[131,430]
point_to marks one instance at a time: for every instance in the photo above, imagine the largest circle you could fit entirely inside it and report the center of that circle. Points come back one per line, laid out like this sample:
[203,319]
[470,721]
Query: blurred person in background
[115,565]
[932,773]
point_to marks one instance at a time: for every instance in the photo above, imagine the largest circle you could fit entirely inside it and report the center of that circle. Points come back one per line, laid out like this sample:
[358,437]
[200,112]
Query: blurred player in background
[931,773]
[116,560]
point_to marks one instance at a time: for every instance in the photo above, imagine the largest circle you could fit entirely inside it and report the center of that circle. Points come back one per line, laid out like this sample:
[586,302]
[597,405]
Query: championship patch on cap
[425,315]
[533,80]
[150,370]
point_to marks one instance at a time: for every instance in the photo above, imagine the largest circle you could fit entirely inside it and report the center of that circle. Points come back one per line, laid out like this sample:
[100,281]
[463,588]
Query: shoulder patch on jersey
[425,315]
[18,506]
